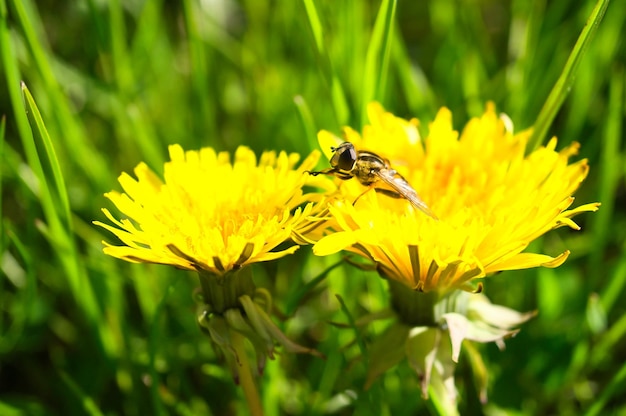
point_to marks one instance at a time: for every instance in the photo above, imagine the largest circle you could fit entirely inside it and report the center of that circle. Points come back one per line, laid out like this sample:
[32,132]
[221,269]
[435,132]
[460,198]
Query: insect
[370,169]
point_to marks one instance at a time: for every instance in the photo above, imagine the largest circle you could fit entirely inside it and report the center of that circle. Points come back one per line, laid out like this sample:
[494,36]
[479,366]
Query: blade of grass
[9,61]
[53,195]
[327,381]
[566,79]
[198,61]
[129,111]
[56,205]
[369,399]
[12,75]
[473,79]
[521,48]
[615,286]
[338,97]
[82,400]
[154,341]
[607,343]
[615,389]
[308,124]
[386,33]
[147,288]
[609,174]
[73,133]
[352,324]
[417,89]
[50,162]
[589,91]
[123,75]
[3,124]
[23,307]
[8,408]
[295,298]
[378,55]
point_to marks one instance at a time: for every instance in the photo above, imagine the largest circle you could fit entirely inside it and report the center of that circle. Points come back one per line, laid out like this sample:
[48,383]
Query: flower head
[210,213]
[491,199]
[215,216]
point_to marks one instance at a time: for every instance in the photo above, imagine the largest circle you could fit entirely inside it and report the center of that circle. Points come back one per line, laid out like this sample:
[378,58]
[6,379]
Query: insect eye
[344,157]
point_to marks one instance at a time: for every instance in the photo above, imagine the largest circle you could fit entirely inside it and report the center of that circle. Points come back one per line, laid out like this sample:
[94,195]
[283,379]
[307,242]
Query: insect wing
[401,186]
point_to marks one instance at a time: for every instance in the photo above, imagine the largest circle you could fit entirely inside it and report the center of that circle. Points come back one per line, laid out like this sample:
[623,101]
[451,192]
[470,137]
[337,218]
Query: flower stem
[414,308]
[246,379]
[425,309]
[222,292]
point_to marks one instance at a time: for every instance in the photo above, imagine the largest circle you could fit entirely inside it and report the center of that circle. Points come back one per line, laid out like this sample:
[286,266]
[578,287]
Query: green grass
[110,84]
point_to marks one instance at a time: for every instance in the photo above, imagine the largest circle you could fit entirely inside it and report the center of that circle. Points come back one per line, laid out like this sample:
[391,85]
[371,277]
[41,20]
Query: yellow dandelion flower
[215,216]
[210,214]
[491,200]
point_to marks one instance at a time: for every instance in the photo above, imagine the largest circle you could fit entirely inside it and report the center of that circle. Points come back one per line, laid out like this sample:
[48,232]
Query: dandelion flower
[209,213]
[491,199]
[217,216]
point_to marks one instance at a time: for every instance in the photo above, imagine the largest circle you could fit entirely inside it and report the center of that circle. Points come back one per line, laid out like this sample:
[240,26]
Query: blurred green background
[117,81]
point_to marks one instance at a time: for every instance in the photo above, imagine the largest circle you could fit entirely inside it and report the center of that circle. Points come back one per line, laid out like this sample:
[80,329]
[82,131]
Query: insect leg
[369,188]
[327,171]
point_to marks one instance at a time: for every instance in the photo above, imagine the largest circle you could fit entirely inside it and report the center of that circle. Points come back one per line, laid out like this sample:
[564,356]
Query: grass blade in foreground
[59,215]
[42,60]
[89,406]
[3,123]
[338,95]
[378,55]
[50,162]
[566,79]
[609,178]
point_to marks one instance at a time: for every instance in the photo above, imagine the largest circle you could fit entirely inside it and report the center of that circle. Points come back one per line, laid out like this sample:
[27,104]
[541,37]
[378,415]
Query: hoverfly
[369,169]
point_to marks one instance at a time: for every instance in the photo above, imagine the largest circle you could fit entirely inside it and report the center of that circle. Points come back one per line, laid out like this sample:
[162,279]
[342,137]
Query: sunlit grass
[110,84]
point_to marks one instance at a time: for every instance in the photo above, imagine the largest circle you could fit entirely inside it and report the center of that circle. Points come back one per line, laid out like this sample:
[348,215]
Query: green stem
[417,308]
[414,308]
[246,379]
[222,292]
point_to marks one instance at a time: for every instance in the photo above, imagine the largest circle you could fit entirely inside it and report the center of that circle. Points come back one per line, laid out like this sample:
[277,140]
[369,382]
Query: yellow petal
[528,260]
[334,243]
